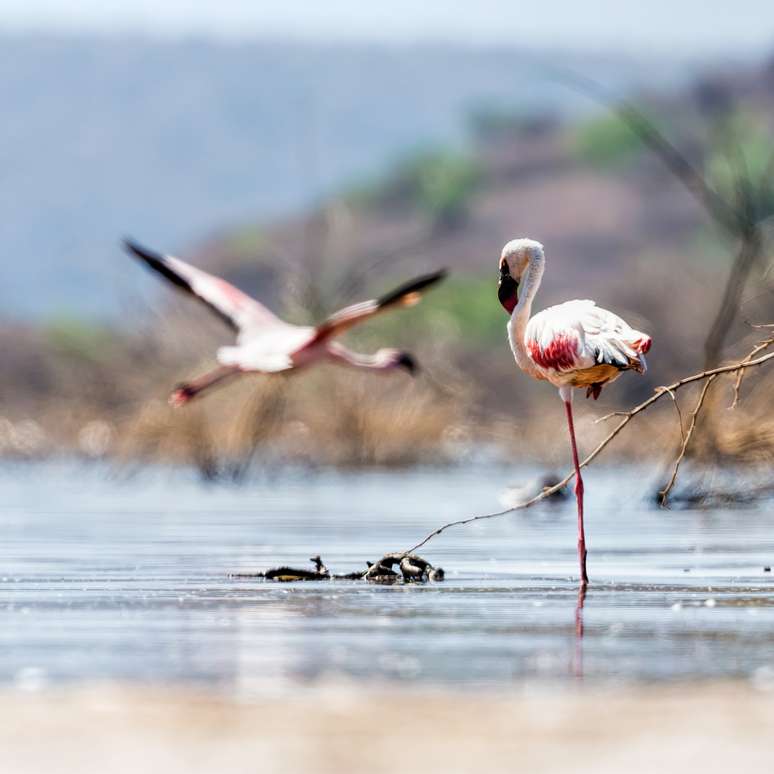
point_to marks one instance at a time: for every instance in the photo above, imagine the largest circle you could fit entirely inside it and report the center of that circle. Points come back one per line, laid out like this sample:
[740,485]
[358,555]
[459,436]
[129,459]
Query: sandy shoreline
[723,728]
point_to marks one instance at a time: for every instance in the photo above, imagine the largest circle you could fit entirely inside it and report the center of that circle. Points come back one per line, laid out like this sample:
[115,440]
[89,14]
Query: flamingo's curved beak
[408,362]
[507,288]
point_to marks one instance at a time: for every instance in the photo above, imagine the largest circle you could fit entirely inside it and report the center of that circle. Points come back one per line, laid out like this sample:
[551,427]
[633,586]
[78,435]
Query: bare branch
[679,413]
[740,374]
[628,416]
[610,416]
[664,493]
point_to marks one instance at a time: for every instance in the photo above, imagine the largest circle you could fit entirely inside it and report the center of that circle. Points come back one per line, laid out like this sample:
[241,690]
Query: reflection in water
[105,578]
[578,663]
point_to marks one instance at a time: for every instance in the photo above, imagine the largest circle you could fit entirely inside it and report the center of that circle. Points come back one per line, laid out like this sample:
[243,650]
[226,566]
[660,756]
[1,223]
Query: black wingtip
[131,246]
[407,361]
[157,262]
[413,286]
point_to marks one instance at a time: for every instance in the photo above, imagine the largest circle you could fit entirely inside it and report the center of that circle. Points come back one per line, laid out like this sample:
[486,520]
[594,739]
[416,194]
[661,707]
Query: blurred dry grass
[335,416]
[616,225]
[328,416]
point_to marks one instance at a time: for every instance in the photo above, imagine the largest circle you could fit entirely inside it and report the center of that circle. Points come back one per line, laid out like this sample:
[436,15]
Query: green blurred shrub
[79,339]
[439,183]
[247,240]
[740,167]
[463,311]
[443,185]
[605,142]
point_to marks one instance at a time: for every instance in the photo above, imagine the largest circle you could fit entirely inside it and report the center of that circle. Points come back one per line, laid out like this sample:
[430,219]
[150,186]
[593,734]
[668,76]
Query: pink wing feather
[235,308]
[579,334]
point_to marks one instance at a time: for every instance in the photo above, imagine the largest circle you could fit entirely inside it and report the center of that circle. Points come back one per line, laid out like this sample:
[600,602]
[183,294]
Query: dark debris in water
[412,568]
[695,497]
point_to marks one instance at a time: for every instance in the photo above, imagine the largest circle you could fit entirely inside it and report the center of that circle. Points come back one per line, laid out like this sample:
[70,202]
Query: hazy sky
[732,27]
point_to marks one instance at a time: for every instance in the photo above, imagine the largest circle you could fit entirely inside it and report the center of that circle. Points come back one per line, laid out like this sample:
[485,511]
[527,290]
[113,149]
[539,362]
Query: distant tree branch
[749,252]
[649,134]
[742,219]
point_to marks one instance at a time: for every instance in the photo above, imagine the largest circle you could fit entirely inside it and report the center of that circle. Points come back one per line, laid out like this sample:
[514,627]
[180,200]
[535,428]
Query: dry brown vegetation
[618,226]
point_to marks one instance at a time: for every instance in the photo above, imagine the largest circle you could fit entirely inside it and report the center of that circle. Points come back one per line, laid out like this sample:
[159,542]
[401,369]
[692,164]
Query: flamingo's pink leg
[186,392]
[578,494]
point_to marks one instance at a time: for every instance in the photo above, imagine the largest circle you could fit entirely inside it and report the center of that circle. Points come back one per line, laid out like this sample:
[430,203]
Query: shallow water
[113,576]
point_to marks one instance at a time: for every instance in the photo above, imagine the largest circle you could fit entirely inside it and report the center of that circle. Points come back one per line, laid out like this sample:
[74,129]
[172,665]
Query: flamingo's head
[396,358]
[514,259]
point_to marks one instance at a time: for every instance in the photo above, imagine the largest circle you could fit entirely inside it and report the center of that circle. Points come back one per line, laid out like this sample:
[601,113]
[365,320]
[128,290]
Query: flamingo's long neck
[380,360]
[517,326]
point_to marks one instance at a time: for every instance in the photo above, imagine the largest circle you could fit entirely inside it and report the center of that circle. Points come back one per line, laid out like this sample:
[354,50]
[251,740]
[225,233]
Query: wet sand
[710,728]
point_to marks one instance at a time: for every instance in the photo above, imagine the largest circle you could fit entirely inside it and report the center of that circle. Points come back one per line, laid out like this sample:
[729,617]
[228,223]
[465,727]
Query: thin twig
[679,413]
[629,415]
[740,374]
[664,493]
[661,389]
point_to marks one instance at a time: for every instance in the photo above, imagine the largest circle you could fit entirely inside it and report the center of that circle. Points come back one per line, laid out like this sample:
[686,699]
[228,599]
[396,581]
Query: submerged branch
[413,569]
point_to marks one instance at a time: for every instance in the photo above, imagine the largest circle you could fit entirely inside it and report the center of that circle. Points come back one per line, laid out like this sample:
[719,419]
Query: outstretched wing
[407,294]
[238,310]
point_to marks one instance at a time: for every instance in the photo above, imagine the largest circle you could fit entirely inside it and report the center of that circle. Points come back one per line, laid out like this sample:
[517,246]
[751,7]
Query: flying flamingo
[265,344]
[574,344]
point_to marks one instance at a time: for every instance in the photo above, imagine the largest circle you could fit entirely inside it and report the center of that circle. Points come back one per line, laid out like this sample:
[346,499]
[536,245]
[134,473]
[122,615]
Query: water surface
[110,576]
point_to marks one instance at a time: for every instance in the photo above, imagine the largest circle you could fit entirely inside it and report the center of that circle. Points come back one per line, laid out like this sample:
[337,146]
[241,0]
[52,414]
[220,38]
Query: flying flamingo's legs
[566,395]
[186,392]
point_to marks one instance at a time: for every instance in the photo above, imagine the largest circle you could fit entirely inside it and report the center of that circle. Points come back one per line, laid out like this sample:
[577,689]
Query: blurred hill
[172,140]
[617,225]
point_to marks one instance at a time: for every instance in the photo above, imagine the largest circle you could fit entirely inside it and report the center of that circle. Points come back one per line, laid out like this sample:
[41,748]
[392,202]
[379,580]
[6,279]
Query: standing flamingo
[575,344]
[266,344]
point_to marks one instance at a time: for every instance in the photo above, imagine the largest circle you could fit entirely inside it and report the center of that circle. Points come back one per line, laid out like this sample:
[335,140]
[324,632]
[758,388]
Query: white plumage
[594,336]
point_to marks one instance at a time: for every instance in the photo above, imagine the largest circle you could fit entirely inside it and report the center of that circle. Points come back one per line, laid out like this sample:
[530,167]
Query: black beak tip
[408,362]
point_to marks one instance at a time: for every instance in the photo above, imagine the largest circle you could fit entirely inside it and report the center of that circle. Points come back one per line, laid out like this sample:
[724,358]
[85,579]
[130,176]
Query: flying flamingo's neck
[517,326]
[383,359]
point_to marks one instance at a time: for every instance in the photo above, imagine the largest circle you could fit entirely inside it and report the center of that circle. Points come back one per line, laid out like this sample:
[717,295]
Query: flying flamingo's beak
[408,362]
[507,288]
